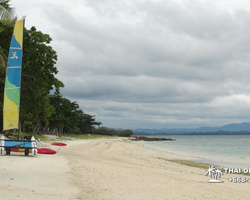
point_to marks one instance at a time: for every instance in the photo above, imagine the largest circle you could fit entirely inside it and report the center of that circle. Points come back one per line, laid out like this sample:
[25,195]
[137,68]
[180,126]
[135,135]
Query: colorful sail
[13,79]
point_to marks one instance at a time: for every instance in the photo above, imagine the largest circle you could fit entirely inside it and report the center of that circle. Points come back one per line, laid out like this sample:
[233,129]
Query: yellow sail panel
[18,32]
[10,113]
[8,103]
[11,118]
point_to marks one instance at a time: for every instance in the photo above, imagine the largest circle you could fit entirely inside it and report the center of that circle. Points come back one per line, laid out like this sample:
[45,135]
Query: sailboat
[12,91]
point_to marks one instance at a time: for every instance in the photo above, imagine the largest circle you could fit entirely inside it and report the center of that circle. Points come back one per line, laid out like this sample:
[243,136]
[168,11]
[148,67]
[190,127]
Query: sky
[150,63]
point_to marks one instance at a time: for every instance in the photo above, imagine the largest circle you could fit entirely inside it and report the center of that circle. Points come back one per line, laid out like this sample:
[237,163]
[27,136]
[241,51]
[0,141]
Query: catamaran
[11,108]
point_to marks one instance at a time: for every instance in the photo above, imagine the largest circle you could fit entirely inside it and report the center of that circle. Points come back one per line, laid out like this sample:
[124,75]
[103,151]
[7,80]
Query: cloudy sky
[150,63]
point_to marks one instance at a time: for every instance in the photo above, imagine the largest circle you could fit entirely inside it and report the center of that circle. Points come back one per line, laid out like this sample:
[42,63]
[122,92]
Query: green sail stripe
[13,95]
[8,84]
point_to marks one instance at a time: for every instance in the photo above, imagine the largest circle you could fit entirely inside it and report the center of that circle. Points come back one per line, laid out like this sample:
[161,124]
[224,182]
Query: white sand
[35,178]
[109,169]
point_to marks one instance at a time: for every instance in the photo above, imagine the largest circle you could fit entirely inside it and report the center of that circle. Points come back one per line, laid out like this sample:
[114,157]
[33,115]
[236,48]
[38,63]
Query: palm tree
[6,11]
[6,16]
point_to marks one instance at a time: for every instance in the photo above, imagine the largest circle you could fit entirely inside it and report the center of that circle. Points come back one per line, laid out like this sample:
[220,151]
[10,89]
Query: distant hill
[245,126]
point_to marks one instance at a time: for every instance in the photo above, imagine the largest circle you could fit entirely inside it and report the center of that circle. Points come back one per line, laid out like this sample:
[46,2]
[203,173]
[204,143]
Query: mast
[19,123]
[13,79]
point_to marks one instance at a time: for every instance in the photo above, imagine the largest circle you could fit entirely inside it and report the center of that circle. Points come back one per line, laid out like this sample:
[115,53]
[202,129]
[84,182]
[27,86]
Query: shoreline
[222,161]
[120,169]
[109,168]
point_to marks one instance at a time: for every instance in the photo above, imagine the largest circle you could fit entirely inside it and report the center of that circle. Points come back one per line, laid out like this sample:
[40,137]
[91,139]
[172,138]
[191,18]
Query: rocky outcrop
[143,138]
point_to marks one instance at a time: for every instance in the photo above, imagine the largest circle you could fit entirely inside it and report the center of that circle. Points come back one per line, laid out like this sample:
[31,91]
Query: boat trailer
[26,145]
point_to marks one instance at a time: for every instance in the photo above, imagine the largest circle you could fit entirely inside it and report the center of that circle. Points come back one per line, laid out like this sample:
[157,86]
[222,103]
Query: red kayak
[39,150]
[45,151]
[58,144]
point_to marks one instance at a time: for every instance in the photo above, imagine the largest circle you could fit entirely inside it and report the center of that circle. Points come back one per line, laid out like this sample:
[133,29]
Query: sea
[231,151]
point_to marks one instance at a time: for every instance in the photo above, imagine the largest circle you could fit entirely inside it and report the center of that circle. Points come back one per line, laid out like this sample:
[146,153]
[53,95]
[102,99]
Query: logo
[14,55]
[214,173]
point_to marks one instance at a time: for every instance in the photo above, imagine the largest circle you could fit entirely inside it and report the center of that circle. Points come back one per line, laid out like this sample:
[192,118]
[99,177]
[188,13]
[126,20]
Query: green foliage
[6,15]
[89,122]
[6,12]
[69,118]
[104,131]
[64,116]
[3,60]
[125,133]
[38,76]
[109,131]
[48,111]
[28,126]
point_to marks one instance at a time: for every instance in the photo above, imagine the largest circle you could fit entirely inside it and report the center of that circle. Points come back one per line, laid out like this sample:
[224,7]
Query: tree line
[43,108]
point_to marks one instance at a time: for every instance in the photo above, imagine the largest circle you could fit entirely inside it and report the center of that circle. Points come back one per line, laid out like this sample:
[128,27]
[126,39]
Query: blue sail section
[14,43]
[14,76]
[15,57]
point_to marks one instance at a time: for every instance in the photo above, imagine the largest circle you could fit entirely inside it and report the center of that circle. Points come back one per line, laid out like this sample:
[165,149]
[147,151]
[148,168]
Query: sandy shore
[109,169]
[37,178]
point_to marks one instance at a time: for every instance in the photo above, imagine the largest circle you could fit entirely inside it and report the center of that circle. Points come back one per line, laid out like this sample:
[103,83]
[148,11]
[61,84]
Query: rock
[143,138]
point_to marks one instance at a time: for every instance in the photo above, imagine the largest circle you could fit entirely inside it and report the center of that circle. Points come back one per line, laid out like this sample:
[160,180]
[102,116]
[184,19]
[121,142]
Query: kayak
[39,150]
[58,144]
[46,151]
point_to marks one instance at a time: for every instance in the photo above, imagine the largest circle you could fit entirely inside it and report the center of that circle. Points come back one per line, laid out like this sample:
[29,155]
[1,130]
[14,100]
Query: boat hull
[58,144]
[39,150]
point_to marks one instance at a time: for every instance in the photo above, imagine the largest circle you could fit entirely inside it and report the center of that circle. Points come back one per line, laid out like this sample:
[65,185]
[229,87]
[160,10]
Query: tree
[125,133]
[47,111]
[65,115]
[38,76]
[6,11]
[90,123]
[105,131]
[6,16]
[68,117]
[110,131]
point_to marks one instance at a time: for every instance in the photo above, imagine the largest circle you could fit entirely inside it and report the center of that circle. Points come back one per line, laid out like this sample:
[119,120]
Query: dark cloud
[153,64]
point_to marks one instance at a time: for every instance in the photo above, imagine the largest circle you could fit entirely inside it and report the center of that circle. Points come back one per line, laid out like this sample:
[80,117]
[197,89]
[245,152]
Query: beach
[110,169]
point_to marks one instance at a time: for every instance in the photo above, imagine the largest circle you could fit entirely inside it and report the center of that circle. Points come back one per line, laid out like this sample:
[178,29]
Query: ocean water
[222,150]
